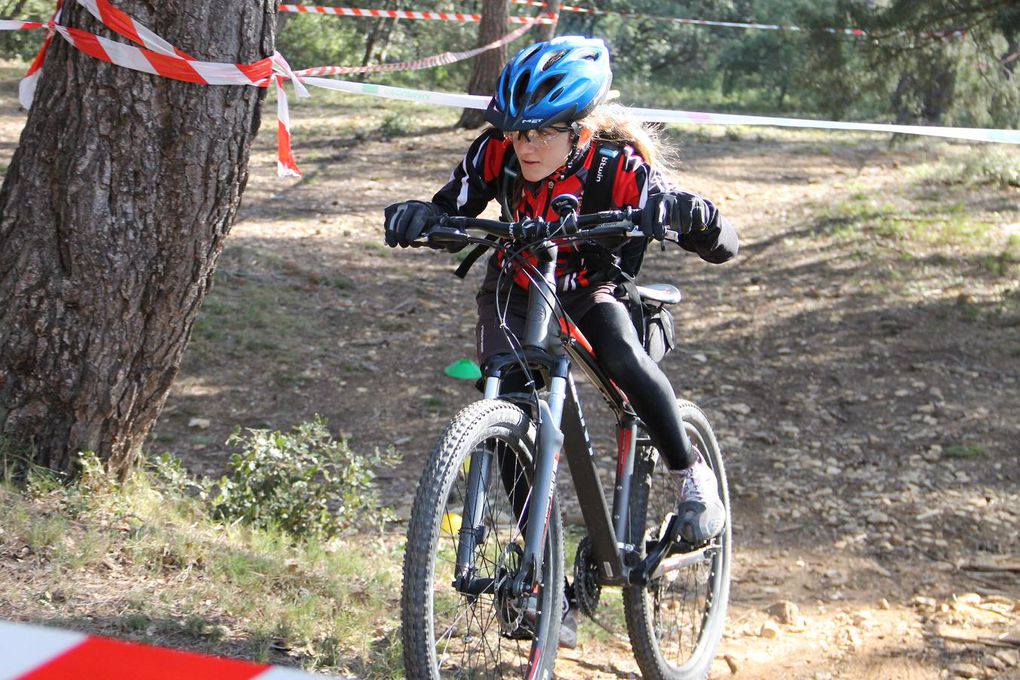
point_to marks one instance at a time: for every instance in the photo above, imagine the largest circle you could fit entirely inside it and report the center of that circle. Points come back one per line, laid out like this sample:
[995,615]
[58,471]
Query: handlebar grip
[622,215]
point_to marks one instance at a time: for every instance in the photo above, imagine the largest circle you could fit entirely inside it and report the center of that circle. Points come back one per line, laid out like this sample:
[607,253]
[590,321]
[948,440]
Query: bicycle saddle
[664,293]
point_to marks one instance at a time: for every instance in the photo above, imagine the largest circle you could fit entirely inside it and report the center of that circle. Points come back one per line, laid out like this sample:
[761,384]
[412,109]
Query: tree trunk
[546,32]
[487,64]
[380,31]
[112,215]
[13,11]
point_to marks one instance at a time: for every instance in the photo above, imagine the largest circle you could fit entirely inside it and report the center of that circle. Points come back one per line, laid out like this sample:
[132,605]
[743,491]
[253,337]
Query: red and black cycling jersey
[477,179]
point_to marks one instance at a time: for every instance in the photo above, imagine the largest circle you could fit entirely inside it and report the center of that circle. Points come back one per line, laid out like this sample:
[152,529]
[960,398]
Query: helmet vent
[520,93]
[529,54]
[549,85]
[555,57]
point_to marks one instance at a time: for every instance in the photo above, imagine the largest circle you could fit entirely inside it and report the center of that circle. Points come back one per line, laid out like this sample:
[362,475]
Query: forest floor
[859,360]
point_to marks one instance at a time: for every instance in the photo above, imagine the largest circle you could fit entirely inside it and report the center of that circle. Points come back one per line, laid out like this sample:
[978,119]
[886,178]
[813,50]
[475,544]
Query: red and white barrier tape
[26,88]
[424,62]
[467,101]
[35,653]
[12,25]
[158,57]
[728,24]
[120,22]
[286,164]
[175,67]
[410,14]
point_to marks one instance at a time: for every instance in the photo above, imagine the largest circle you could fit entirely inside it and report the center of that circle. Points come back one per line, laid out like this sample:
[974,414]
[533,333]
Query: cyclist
[549,113]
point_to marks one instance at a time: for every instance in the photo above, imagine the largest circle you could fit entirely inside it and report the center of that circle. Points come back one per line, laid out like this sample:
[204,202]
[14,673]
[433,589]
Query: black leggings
[612,335]
[609,329]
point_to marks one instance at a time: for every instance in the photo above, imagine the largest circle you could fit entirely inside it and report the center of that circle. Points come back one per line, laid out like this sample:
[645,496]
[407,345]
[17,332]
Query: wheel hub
[511,610]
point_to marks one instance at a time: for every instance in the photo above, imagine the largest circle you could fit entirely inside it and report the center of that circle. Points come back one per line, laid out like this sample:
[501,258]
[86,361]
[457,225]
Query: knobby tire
[675,623]
[447,634]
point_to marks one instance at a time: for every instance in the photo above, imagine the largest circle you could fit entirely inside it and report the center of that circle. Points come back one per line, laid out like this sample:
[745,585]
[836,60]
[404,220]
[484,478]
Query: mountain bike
[484,569]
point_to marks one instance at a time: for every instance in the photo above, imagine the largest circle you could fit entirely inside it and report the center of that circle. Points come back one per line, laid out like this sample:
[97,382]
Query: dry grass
[144,561]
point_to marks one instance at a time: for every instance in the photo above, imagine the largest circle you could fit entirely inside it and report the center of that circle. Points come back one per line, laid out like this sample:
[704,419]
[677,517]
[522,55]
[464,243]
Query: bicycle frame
[552,346]
[497,465]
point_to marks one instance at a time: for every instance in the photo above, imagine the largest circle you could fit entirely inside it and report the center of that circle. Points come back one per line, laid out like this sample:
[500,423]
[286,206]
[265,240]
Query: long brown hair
[612,123]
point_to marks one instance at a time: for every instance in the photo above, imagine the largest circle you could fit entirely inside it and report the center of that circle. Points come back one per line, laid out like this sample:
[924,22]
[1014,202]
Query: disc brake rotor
[510,610]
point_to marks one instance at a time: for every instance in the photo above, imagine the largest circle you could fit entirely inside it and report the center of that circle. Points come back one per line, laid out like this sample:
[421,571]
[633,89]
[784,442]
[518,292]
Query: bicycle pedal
[682,545]
[669,530]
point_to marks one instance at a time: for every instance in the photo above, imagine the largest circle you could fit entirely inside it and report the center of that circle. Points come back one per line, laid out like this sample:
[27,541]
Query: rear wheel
[675,623]
[471,625]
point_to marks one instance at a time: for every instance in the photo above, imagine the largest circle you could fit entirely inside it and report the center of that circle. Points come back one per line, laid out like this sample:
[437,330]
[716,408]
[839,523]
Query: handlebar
[452,230]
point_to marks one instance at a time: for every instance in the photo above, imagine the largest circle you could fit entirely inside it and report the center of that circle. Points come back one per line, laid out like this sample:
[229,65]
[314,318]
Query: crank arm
[683,560]
[660,562]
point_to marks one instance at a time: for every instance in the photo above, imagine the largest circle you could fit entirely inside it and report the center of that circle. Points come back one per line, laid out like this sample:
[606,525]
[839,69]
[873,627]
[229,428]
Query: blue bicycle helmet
[551,82]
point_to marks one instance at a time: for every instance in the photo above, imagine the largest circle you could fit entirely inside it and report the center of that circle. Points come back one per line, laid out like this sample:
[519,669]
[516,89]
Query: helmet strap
[575,152]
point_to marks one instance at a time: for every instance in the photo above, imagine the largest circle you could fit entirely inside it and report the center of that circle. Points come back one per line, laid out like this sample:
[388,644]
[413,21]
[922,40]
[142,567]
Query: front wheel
[464,621]
[675,623]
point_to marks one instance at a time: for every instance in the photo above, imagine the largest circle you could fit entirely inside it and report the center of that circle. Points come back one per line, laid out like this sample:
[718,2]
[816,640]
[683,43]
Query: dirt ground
[866,398]
[865,386]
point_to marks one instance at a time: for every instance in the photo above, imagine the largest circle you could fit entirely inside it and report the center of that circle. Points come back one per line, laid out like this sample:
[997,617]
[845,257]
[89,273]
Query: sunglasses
[543,137]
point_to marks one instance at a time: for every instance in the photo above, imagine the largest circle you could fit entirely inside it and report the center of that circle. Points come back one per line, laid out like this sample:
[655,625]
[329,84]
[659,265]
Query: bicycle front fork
[549,447]
[539,505]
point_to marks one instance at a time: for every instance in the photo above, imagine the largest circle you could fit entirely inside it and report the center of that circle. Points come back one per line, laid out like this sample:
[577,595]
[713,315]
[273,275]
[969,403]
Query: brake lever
[441,236]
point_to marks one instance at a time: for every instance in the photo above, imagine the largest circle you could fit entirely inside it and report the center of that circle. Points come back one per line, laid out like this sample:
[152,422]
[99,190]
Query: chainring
[587,589]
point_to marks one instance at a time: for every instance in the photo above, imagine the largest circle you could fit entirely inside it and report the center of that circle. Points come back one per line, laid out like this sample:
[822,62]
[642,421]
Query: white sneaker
[701,511]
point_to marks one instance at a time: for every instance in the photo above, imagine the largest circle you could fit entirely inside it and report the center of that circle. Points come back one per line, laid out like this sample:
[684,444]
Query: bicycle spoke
[676,622]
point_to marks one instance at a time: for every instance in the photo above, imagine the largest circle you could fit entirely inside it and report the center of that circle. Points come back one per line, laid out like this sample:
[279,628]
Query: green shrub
[993,166]
[169,476]
[92,477]
[304,482]
[396,125]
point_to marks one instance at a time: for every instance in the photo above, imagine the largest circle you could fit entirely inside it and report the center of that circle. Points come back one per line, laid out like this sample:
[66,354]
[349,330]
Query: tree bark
[112,215]
[488,64]
[546,32]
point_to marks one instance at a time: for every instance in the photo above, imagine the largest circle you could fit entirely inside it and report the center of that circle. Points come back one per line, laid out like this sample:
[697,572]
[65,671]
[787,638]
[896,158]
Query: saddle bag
[655,328]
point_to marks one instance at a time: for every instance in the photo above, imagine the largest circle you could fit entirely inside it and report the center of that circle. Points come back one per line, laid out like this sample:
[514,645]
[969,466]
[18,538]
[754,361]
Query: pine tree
[112,214]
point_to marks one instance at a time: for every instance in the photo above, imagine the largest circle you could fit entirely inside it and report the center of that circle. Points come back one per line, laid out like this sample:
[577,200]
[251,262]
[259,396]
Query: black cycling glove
[406,221]
[681,211]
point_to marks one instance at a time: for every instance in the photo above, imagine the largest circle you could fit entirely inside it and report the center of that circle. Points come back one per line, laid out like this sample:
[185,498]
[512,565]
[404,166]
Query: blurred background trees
[901,70]
[488,64]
